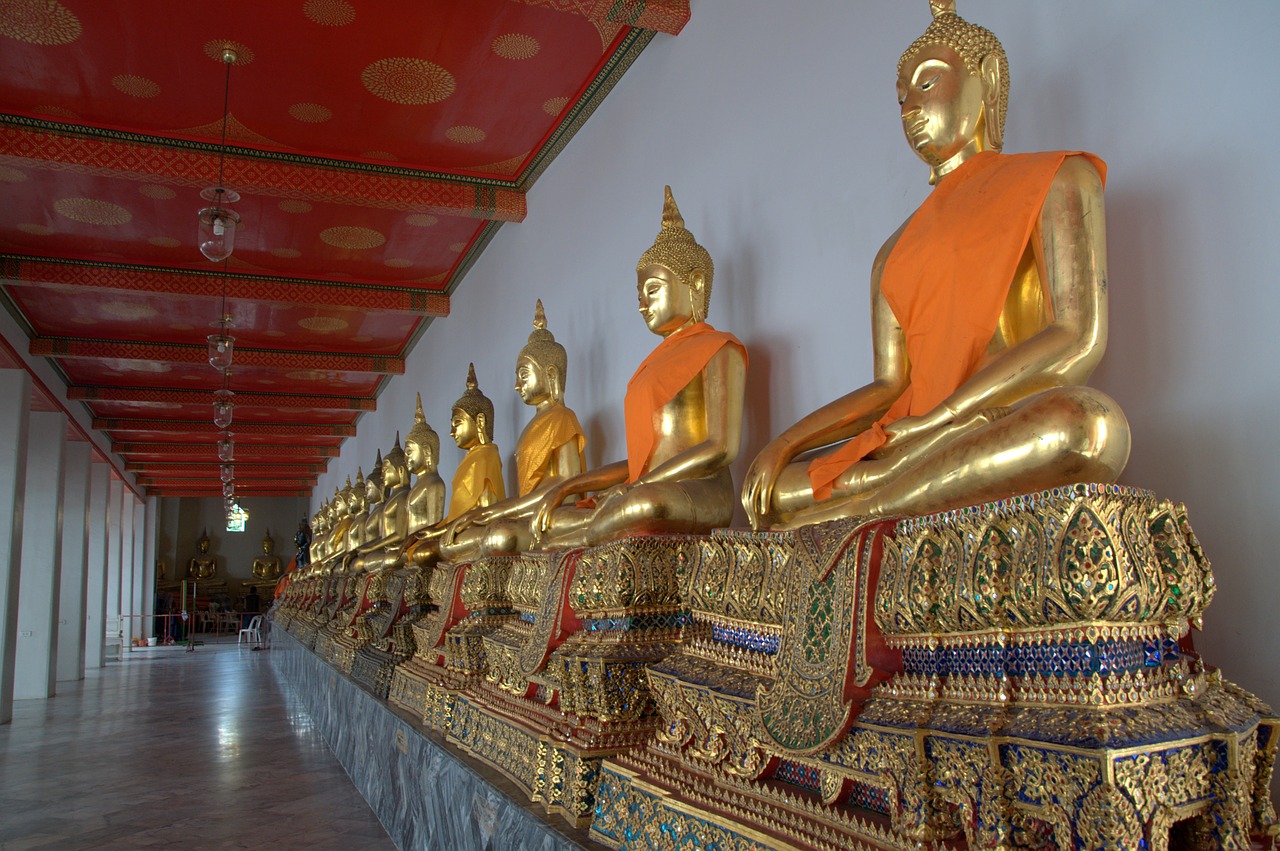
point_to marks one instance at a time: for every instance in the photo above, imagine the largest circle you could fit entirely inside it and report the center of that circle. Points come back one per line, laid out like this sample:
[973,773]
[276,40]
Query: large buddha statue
[683,414]
[989,313]
[549,451]
[202,566]
[267,565]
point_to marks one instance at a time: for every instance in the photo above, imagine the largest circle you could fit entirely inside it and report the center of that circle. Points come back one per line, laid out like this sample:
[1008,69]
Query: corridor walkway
[176,749]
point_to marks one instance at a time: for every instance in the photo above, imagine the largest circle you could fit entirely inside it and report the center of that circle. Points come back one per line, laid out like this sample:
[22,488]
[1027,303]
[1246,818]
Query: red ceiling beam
[70,347]
[89,393]
[215,482]
[81,275]
[243,471]
[198,493]
[259,468]
[666,16]
[197,451]
[274,429]
[170,162]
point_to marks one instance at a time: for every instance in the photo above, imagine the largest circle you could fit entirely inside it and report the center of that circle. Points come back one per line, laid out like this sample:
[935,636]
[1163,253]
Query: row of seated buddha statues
[946,623]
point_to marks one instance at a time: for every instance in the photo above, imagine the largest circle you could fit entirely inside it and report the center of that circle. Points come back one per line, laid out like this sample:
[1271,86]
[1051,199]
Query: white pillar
[128,624]
[76,465]
[36,668]
[95,610]
[115,513]
[149,532]
[15,389]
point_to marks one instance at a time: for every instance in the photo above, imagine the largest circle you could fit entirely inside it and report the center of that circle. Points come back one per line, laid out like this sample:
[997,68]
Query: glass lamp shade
[226,449]
[229,490]
[221,350]
[227,473]
[223,409]
[217,232]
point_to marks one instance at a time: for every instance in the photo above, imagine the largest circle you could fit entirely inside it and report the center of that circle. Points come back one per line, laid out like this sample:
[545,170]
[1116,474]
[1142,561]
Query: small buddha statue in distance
[202,564]
[267,565]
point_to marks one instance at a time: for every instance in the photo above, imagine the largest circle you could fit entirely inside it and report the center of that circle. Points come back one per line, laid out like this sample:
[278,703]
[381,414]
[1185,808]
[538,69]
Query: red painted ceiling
[376,147]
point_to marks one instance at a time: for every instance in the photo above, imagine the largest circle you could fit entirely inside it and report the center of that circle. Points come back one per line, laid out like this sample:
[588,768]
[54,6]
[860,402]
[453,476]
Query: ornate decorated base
[1011,677]
[558,684]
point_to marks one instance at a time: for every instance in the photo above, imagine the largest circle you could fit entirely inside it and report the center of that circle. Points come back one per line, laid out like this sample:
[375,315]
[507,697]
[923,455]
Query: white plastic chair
[253,631]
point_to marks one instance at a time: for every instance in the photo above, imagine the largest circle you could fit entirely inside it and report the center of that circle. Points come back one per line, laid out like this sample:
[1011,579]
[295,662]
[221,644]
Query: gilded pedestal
[1047,695]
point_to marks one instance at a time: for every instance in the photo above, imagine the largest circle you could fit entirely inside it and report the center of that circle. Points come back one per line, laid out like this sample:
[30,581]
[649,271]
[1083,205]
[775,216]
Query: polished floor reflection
[168,748]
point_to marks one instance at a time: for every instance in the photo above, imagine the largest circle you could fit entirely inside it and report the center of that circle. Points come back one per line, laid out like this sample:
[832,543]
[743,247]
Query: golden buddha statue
[389,525]
[357,515]
[267,565]
[319,534]
[339,522]
[202,565]
[477,482]
[426,499]
[989,313]
[683,414]
[549,451]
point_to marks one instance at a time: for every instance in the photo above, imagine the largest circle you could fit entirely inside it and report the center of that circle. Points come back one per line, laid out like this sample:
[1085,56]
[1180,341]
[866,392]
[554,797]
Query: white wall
[776,125]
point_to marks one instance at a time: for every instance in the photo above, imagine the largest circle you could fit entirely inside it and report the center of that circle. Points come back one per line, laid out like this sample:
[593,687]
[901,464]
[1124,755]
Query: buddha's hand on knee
[612,494]
[552,500]
[762,475]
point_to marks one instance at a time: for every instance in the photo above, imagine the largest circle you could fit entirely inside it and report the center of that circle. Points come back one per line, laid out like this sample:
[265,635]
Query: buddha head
[202,545]
[373,486]
[673,278]
[356,500]
[953,88]
[472,419]
[541,366]
[267,543]
[395,467]
[341,502]
[421,444]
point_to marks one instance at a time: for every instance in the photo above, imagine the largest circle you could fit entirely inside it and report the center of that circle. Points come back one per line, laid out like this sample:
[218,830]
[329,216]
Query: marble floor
[169,748]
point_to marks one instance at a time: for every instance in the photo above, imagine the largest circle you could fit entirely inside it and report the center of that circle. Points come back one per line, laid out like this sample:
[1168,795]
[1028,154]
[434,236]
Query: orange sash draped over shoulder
[664,373]
[947,279]
[481,467]
[546,432]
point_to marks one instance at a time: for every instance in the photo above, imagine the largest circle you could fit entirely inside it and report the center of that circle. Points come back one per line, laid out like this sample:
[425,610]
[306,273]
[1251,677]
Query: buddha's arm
[566,462]
[1070,243]
[600,478]
[847,416]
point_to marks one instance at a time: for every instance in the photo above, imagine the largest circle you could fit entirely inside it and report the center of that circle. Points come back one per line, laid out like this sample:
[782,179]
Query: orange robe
[481,468]
[547,432]
[667,370]
[946,282]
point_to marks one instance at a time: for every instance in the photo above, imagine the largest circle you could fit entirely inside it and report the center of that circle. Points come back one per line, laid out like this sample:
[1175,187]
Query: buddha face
[356,502]
[464,429]
[266,546]
[941,104]
[666,302]
[373,487]
[203,545]
[532,381]
[419,459]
